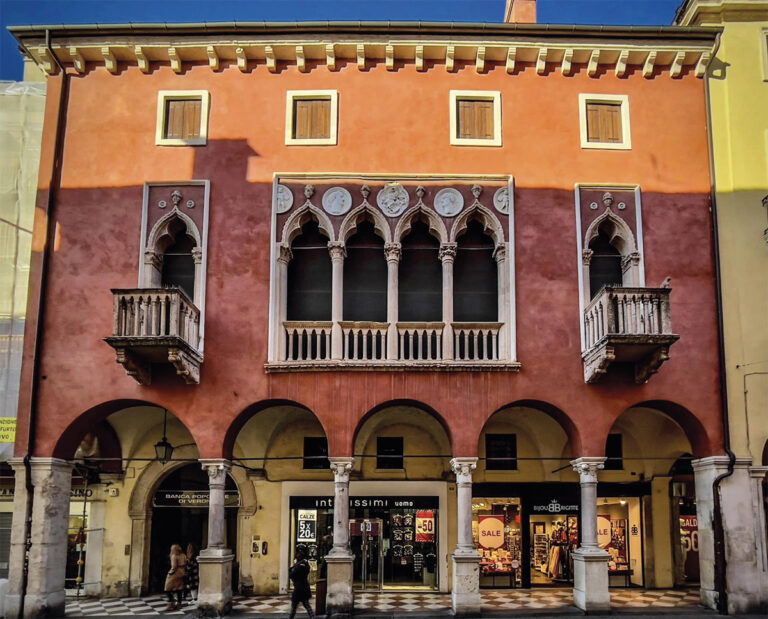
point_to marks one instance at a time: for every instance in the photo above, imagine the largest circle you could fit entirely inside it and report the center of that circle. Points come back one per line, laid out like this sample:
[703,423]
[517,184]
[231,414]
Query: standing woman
[192,572]
[174,582]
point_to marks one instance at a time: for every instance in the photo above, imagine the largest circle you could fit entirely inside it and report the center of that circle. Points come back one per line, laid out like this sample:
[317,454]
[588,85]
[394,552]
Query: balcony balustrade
[376,346]
[627,325]
[156,325]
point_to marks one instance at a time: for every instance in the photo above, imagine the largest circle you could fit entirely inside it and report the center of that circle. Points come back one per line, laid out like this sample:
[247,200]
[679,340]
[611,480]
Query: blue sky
[22,12]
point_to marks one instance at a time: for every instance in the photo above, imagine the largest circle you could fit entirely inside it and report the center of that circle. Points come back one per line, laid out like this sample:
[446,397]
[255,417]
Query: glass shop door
[365,540]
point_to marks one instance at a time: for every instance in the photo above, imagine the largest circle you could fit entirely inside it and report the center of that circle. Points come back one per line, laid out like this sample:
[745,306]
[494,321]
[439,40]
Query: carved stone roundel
[501,200]
[337,201]
[449,202]
[284,199]
[392,199]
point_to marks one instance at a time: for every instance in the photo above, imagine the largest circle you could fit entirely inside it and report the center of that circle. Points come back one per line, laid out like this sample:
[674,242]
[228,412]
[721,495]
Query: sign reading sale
[425,525]
[490,531]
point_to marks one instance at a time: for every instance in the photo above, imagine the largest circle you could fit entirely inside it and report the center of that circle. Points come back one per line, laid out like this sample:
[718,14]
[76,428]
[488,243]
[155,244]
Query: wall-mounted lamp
[163,449]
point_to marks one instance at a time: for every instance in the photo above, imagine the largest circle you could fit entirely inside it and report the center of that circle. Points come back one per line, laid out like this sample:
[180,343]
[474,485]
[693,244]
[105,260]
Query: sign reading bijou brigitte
[555,507]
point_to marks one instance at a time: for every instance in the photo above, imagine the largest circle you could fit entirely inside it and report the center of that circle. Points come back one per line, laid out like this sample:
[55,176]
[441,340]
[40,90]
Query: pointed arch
[619,234]
[351,221]
[436,226]
[161,229]
[292,227]
[491,225]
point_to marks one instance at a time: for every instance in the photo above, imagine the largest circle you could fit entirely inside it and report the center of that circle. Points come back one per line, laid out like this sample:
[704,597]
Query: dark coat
[299,575]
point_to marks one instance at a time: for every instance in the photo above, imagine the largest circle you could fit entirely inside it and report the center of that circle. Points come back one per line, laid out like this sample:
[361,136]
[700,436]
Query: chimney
[520,12]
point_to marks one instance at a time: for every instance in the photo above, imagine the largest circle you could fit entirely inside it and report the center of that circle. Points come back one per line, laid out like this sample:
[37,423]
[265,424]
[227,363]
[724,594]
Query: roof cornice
[305,44]
[698,12]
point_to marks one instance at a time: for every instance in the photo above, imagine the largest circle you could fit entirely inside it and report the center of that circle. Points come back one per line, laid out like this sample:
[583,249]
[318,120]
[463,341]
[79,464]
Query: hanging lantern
[163,449]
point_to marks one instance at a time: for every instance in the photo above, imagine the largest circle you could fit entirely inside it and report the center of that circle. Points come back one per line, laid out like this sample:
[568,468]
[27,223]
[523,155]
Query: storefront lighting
[163,449]
[623,501]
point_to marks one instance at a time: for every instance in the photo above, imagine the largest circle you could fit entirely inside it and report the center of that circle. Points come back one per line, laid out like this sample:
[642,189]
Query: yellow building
[738,101]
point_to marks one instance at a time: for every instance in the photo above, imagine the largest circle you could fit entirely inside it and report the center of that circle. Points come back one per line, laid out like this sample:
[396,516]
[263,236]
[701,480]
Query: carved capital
[586,257]
[500,252]
[447,252]
[587,468]
[284,253]
[217,470]
[197,255]
[341,468]
[462,468]
[392,252]
[153,259]
[337,250]
[631,260]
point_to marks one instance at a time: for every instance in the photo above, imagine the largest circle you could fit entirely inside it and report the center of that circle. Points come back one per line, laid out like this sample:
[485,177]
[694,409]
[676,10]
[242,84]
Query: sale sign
[425,525]
[604,531]
[490,531]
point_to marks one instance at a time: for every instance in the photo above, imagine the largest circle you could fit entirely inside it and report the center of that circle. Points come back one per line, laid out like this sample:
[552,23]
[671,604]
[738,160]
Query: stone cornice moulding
[564,53]
[701,12]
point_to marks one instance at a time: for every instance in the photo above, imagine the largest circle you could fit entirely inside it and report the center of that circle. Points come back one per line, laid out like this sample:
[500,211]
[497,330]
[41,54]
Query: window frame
[311,460]
[162,98]
[501,465]
[623,101]
[385,457]
[475,95]
[614,463]
[333,130]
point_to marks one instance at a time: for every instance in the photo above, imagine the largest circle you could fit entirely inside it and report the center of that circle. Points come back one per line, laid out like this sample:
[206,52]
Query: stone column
[340,598]
[590,562]
[284,256]
[18,539]
[338,253]
[392,251]
[705,471]
[502,275]
[465,595]
[95,539]
[138,570]
[447,255]
[215,594]
[52,480]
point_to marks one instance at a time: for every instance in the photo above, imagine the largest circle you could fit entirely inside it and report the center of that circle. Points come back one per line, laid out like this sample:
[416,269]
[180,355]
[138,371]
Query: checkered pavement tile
[495,600]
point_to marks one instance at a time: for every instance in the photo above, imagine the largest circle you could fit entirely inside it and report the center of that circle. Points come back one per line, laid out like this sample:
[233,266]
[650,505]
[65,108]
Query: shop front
[396,540]
[526,533]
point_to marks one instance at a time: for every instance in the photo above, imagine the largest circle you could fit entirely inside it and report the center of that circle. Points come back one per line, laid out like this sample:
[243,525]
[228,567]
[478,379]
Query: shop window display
[497,532]
[618,532]
[554,540]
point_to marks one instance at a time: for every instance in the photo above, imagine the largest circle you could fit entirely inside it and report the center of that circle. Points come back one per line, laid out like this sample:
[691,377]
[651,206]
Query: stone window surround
[485,95]
[150,258]
[633,265]
[623,100]
[503,254]
[333,134]
[162,97]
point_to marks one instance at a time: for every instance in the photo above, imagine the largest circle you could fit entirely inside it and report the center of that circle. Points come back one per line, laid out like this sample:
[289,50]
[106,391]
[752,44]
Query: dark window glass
[316,452]
[178,264]
[365,276]
[475,279]
[501,452]
[420,277]
[605,265]
[309,276]
[389,452]
[614,452]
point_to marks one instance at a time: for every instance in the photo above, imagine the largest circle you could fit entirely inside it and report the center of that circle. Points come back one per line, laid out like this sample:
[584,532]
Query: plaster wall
[111,122]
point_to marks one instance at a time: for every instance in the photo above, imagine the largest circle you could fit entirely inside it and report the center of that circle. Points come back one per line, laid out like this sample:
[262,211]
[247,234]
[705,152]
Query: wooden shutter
[311,119]
[604,122]
[475,119]
[182,118]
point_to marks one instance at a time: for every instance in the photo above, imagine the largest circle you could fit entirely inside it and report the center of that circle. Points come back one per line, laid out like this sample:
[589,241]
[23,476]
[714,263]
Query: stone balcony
[156,326]
[627,325]
[379,346]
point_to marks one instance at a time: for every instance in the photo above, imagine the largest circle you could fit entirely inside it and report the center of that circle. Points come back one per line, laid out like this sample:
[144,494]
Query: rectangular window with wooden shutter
[182,118]
[475,119]
[311,119]
[604,122]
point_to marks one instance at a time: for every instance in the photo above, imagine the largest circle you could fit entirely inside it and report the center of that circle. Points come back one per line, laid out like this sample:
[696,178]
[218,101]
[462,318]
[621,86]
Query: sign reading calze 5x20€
[7,429]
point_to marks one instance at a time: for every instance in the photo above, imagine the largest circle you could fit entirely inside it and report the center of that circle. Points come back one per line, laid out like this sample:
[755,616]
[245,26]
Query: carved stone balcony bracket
[627,325]
[156,326]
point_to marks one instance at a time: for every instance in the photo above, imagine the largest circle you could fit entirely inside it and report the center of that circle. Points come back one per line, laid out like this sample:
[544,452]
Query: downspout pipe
[41,307]
[717,524]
